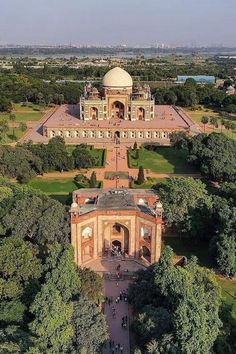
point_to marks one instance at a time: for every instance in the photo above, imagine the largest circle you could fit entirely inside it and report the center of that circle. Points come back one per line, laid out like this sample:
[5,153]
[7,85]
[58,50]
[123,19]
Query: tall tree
[19,271]
[90,326]
[204,121]
[141,178]
[91,285]
[214,155]
[39,219]
[12,118]
[226,253]
[62,272]
[93,180]
[51,327]
[190,300]
[184,200]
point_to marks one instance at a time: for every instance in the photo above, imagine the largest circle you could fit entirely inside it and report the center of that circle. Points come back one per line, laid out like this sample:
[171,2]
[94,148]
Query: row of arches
[109,134]
[119,242]
[117,111]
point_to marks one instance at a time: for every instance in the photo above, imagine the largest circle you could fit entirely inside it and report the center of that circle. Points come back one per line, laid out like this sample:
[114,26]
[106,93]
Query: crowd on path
[116,310]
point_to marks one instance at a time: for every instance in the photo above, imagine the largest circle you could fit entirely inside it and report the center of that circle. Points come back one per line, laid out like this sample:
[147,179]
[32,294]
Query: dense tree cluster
[23,162]
[191,210]
[190,94]
[24,83]
[176,308]
[44,307]
[185,201]
[25,88]
[147,69]
[213,155]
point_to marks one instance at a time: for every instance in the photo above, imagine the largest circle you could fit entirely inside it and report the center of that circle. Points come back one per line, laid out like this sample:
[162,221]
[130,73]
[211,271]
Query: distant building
[230,91]
[200,79]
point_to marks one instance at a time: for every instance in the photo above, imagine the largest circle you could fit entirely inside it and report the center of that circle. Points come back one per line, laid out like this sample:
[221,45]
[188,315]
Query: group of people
[113,303]
[115,347]
[124,322]
[116,251]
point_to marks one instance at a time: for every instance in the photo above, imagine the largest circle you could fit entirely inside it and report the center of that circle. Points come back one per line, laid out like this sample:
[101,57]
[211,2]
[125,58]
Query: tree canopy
[181,314]
[183,200]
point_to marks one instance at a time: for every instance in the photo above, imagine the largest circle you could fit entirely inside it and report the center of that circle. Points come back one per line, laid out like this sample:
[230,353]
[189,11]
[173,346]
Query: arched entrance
[119,238]
[94,113]
[116,248]
[117,134]
[146,253]
[87,252]
[117,109]
[141,113]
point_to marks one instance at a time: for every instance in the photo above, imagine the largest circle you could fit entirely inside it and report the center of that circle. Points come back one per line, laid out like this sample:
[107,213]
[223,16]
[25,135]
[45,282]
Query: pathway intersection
[116,161]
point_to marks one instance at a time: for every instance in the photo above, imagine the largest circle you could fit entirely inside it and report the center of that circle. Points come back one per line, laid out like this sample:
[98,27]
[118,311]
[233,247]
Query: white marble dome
[117,78]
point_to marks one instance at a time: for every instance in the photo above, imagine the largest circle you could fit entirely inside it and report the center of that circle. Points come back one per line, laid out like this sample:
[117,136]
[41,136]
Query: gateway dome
[117,78]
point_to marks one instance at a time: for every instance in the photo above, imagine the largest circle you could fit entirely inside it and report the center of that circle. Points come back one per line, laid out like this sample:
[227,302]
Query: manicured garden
[57,188]
[54,185]
[25,113]
[197,115]
[60,188]
[162,160]
[9,138]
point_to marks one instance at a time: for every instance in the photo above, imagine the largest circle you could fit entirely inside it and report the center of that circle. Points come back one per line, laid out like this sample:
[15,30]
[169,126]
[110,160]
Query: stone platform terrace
[109,265]
[67,118]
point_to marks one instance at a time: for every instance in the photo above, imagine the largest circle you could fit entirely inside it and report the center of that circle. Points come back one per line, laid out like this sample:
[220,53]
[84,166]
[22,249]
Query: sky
[114,22]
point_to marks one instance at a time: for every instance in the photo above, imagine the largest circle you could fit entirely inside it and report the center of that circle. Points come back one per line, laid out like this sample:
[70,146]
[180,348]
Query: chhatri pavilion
[119,110]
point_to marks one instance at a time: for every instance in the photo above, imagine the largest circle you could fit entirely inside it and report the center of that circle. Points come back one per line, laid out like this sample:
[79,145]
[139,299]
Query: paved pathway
[117,333]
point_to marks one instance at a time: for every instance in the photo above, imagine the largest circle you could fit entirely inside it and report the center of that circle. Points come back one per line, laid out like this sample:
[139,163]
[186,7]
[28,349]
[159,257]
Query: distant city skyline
[132,23]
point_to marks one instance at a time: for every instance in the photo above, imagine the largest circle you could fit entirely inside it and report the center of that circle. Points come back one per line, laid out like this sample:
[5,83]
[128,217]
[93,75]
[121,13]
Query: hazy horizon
[132,22]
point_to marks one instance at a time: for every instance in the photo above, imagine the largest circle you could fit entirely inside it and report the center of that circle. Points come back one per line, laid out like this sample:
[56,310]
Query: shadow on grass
[65,199]
[190,247]
[161,159]
[176,158]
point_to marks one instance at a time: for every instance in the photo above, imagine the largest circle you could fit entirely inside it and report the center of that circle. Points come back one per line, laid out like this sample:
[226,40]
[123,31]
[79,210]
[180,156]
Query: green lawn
[31,112]
[54,186]
[229,293]
[23,116]
[9,137]
[59,188]
[31,107]
[198,114]
[163,160]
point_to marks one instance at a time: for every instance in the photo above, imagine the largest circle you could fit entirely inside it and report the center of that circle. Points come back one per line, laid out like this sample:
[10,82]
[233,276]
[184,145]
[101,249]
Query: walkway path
[117,334]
